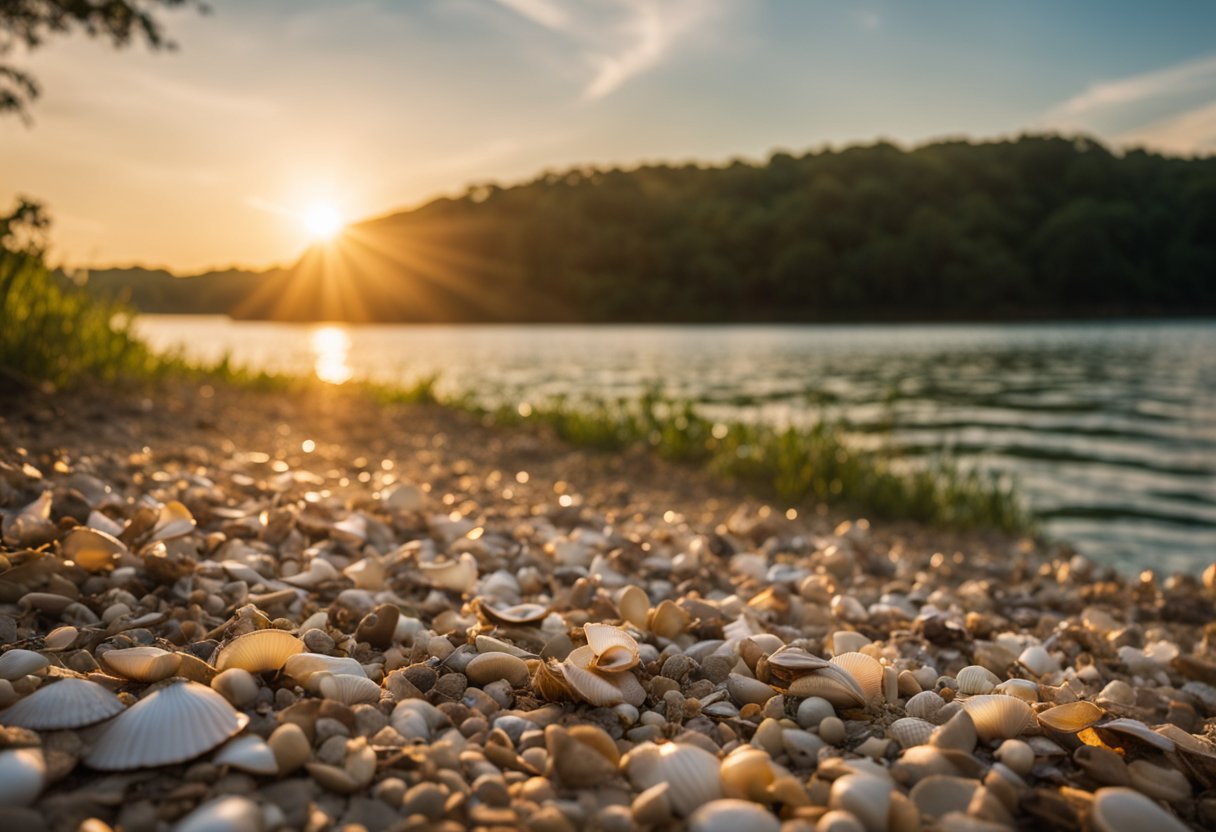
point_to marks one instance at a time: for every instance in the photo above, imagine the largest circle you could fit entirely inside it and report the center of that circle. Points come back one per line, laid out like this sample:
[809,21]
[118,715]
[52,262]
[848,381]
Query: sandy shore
[412,541]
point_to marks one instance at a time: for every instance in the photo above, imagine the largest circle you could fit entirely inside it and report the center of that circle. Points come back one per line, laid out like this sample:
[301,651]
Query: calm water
[1108,429]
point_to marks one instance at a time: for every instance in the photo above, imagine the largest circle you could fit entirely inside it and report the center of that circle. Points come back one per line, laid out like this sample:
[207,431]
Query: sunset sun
[322,221]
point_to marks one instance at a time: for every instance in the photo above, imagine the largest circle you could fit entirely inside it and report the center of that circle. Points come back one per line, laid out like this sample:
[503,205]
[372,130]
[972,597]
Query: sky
[214,154]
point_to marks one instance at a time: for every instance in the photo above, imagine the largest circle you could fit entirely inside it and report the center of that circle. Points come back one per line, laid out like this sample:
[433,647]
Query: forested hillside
[1031,227]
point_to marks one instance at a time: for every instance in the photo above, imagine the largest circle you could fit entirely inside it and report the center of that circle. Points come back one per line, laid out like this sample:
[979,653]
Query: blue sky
[208,155]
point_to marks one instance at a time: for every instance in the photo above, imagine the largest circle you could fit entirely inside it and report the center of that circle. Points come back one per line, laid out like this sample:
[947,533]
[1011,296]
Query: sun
[322,221]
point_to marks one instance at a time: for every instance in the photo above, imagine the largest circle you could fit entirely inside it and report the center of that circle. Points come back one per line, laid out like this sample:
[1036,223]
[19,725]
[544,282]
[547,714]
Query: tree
[29,23]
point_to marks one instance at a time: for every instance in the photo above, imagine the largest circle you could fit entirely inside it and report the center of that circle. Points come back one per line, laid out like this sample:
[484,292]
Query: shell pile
[241,641]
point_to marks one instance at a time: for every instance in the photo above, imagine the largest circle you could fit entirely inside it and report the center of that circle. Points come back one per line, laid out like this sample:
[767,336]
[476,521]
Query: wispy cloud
[622,39]
[1188,77]
[1191,132]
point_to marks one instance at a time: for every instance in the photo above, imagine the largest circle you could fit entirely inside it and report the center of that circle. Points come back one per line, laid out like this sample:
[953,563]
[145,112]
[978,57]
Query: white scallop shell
[998,717]
[1118,809]
[142,664]
[350,690]
[68,703]
[975,679]
[90,549]
[259,651]
[22,776]
[248,753]
[911,731]
[485,668]
[18,663]
[730,815]
[691,773]
[866,797]
[865,669]
[172,724]
[925,705]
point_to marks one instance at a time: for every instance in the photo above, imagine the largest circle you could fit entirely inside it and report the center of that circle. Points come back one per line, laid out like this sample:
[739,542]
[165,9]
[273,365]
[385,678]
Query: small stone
[492,790]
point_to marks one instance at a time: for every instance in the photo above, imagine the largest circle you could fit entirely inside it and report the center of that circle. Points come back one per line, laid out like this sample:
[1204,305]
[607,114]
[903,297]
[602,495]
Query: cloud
[622,39]
[1180,79]
[1187,133]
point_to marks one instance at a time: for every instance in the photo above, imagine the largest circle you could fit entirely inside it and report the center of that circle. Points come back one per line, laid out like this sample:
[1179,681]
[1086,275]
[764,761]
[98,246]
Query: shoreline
[567,528]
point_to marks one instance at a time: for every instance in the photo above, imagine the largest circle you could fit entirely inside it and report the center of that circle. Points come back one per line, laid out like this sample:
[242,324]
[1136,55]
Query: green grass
[57,334]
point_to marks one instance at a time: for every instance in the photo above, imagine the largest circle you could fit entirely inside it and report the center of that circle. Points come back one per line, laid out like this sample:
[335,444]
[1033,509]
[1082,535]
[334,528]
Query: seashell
[8,694]
[730,815]
[975,679]
[998,717]
[172,724]
[865,669]
[1071,717]
[259,651]
[838,821]
[141,664]
[1038,661]
[1117,692]
[788,663]
[403,497]
[581,758]
[958,733]
[1159,782]
[18,663]
[491,667]
[1125,733]
[1103,765]
[615,650]
[848,641]
[832,683]
[61,638]
[744,690]
[249,753]
[22,776]
[349,690]
[691,773]
[290,747]
[223,814]
[667,620]
[746,773]
[1125,810]
[174,520]
[368,573]
[603,690]
[458,575]
[911,731]
[652,807]
[237,685]
[1023,689]
[320,571]
[634,606]
[864,796]
[517,614]
[938,794]
[720,710]
[68,703]
[91,550]
[306,667]
[925,705]
[1016,754]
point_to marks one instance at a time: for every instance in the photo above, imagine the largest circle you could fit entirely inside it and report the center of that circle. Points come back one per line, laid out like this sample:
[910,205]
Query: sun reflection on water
[330,345]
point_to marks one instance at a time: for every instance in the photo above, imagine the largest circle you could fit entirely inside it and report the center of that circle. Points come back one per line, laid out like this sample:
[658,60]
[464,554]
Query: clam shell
[237,686]
[690,772]
[911,731]
[865,669]
[1071,717]
[1133,732]
[22,776]
[491,667]
[259,651]
[455,575]
[1038,661]
[91,550]
[958,733]
[320,571]
[248,753]
[1159,782]
[746,773]
[667,620]
[788,663]
[732,815]
[61,638]
[1023,689]
[230,814]
[925,705]
[603,690]
[634,606]
[18,663]
[350,690]
[615,650]
[1125,810]
[142,664]
[832,683]
[174,520]
[305,667]
[173,724]
[975,679]
[745,690]
[998,717]
[847,641]
[866,797]
[517,614]
[68,703]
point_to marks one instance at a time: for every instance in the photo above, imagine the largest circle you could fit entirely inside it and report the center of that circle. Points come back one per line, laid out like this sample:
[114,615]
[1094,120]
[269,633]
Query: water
[1108,429]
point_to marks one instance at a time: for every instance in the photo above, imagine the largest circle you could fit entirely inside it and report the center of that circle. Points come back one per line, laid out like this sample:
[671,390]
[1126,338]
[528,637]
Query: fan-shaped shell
[615,650]
[350,690]
[22,776]
[1117,809]
[1023,689]
[491,667]
[998,717]
[17,663]
[68,703]
[832,683]
[865,669]
[975,679]
[911,731]
[248,753]
[603,690]
[634,606]
[172,724]
[690,772]
[90,549]
[142,664]
[925,705]
[1071,717]
[259,651]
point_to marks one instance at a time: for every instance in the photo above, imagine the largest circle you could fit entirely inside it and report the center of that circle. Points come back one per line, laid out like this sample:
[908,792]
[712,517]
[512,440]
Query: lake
[1108,429]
